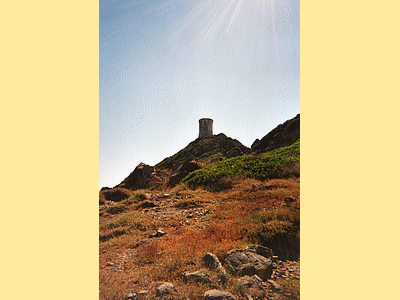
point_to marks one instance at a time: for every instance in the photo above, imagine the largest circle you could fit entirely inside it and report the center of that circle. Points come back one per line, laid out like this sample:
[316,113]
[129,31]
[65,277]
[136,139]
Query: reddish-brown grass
[139,265]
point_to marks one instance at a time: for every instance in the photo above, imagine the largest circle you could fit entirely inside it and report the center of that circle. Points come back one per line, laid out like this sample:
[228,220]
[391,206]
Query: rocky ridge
[283,135]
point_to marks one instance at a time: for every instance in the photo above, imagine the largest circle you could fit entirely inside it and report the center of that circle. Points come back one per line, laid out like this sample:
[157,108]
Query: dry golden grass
[139,265]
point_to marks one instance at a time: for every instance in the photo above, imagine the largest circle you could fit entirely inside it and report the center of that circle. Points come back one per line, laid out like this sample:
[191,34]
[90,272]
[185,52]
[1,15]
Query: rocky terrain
[161,238]
[135,254]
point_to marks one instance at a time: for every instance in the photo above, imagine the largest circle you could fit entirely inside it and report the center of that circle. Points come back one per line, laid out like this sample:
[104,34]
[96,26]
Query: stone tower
[205,127]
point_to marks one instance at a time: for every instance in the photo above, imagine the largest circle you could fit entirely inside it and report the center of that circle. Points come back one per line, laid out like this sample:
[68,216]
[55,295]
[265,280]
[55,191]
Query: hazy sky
[164,64]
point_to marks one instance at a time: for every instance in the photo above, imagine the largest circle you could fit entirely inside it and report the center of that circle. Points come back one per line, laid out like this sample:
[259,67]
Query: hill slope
[283,135]
[279,163]
[210,148]
[152,231]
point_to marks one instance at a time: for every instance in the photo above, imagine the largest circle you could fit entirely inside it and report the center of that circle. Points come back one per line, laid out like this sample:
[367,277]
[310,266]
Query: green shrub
[278,163]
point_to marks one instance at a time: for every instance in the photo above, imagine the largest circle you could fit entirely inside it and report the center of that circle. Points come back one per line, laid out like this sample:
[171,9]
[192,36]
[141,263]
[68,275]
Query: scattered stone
[164,288]
[198,276]
[274,286]
[253,286]
[218,295]
[163,195]
[158,233]
[149,196]
[211,261]
[142,295]
[249,261]
[131,296]
[109,264]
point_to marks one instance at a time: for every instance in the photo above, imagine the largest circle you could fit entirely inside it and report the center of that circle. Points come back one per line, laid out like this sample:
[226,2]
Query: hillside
[283,135]
[209,148]
[214,220]
[279,163]
[149,236]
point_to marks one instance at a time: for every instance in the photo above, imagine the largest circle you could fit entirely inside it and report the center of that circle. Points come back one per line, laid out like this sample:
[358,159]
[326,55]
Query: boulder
[211,261]
[164,288]
[139,178]
[218,295]
[253,260]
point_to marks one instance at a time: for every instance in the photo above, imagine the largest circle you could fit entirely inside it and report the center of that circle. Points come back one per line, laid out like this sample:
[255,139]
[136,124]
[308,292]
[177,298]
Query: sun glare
[209,22]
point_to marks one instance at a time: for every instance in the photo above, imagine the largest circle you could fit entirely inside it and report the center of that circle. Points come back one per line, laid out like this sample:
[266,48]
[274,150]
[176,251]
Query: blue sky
[165,64]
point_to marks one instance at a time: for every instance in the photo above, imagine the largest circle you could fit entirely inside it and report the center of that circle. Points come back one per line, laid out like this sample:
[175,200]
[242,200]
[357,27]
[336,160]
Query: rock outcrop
[139,178]
[283,135]
[144,177]
[189,165]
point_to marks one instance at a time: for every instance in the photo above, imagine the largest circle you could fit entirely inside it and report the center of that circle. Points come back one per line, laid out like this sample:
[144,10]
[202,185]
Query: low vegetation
[252,211]
[249,207]
[280,163]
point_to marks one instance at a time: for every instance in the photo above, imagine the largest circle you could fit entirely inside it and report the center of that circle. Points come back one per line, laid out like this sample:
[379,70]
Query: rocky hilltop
[283,135]
[171,170]
[207,150]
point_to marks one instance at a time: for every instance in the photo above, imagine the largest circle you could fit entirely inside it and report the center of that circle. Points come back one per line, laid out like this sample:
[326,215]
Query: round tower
[205,127]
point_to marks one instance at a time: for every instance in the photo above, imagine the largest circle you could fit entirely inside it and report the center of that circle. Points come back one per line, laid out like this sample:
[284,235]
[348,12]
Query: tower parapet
[205,127]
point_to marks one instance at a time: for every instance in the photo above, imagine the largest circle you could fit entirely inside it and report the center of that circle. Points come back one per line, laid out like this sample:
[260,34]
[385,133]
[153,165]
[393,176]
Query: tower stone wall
[205,127]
